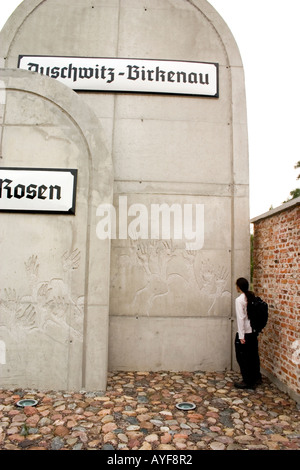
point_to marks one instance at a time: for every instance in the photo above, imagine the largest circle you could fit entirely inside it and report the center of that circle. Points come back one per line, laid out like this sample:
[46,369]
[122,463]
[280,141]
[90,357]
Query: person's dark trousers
[248,358]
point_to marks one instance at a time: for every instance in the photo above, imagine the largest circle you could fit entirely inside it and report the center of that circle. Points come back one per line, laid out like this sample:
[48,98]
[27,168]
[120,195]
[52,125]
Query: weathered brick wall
[276,278]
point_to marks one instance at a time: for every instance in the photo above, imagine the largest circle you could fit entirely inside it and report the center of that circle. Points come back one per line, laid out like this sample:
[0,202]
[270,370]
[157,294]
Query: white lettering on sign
[128,75]
[37,190]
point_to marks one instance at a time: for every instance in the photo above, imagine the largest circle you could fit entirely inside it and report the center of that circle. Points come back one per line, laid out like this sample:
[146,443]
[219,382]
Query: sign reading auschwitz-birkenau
[38,190]
[128,75]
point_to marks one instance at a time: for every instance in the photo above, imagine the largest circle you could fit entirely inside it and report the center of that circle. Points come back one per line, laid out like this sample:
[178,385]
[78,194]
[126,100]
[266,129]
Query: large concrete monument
[123,190]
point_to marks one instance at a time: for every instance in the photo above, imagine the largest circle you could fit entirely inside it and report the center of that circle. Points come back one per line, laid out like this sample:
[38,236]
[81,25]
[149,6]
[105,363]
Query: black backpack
[258,314]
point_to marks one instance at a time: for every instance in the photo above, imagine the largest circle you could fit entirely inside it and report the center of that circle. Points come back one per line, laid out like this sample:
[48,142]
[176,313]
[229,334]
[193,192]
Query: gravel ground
[138,412]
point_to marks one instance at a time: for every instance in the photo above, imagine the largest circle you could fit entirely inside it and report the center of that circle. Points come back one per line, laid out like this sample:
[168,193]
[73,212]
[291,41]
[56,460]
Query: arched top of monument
[63,102]
[153,29]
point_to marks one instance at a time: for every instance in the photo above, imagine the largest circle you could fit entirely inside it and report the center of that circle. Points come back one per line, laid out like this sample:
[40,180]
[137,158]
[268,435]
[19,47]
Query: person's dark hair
[243,284]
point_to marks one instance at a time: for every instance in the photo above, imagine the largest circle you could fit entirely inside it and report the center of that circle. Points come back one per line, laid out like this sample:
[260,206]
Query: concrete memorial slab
[53,310]
[164,82]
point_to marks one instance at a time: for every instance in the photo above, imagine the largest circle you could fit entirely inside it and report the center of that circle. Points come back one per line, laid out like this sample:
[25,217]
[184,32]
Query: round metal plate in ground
[186,406]
[27,402]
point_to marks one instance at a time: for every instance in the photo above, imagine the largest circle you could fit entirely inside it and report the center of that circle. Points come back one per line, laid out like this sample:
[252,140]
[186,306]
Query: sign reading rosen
[38,190]
[128,75]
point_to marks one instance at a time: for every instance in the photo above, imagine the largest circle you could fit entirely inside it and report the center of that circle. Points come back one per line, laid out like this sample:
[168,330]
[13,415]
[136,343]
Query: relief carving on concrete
[49,306]
[157,277]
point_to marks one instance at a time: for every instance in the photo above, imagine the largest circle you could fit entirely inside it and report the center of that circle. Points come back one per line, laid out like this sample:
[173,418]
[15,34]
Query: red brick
[276,279]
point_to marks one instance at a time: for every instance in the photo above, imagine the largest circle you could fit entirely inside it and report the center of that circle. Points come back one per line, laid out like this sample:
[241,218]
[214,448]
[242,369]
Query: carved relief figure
[154,277]
[48,316]
[49,301]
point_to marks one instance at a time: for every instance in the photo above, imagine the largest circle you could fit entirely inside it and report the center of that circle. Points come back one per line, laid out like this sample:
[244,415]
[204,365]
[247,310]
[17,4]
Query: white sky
[268,35]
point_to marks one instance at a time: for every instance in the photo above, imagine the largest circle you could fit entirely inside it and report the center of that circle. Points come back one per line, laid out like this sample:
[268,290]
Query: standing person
[246,343]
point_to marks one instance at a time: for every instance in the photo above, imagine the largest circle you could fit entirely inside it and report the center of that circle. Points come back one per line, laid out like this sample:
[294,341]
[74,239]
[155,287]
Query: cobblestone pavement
[138,412]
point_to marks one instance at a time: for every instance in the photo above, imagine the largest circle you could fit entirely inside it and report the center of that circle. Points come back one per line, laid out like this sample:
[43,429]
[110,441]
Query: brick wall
[276,278]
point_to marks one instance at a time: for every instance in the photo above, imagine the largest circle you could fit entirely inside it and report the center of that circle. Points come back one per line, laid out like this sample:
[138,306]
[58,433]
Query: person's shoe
[243,385]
